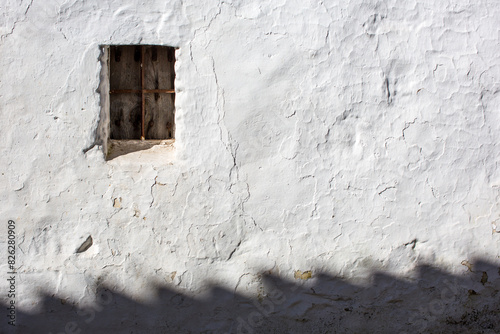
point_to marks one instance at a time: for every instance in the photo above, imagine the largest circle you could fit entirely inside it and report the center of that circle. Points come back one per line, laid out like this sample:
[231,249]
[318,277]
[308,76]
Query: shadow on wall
[433,302]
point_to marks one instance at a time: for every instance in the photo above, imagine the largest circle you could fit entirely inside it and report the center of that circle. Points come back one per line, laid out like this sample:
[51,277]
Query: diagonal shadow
[433,301]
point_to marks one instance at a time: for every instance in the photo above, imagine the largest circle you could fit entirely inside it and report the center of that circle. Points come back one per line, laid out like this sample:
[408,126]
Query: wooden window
[142,95]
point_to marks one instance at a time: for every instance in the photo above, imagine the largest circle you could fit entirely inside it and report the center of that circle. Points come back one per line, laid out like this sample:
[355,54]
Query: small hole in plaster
[86,245]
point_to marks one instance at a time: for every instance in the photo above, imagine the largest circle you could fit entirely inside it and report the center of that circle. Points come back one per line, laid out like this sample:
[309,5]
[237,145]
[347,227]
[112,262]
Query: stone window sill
[141,151]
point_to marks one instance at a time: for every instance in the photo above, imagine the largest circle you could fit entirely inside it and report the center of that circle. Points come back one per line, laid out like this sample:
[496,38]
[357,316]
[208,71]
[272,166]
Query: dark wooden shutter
[136,90]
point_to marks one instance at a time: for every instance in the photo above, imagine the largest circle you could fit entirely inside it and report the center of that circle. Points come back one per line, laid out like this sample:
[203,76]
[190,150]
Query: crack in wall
[4,36]
[407,125]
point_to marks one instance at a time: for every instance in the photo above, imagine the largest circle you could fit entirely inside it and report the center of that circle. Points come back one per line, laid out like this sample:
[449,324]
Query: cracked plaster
[309,136]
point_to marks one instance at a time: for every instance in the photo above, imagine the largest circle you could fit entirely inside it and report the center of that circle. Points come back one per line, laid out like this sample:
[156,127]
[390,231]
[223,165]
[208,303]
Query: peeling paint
[302,275]
[117,203]
[468,265]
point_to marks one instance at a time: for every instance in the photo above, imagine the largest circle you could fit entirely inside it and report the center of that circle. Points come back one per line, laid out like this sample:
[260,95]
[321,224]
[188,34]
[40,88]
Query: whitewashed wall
[338,137]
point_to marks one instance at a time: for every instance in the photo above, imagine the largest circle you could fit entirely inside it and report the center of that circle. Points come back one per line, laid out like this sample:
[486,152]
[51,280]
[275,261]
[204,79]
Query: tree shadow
[433,301]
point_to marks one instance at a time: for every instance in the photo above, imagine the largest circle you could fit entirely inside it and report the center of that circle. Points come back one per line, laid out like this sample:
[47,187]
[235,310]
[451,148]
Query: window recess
[142,92]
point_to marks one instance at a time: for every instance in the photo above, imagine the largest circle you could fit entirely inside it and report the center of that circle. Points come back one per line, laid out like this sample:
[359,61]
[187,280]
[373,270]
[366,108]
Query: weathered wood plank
[159,116]
[125,116]
[159,74]
[125,68]
[125,109]
[126,92]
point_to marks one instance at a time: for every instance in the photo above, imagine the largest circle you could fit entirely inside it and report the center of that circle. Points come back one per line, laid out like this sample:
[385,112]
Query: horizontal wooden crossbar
[140,91]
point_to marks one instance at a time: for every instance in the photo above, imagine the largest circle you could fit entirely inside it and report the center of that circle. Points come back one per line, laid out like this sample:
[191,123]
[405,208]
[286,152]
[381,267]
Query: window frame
[143,91]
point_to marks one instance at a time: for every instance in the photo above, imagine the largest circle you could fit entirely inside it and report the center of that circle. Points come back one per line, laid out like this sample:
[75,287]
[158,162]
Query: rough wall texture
[355,140]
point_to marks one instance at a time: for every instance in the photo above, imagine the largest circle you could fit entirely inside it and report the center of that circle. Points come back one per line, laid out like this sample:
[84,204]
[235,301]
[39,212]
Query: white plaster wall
[322,136]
